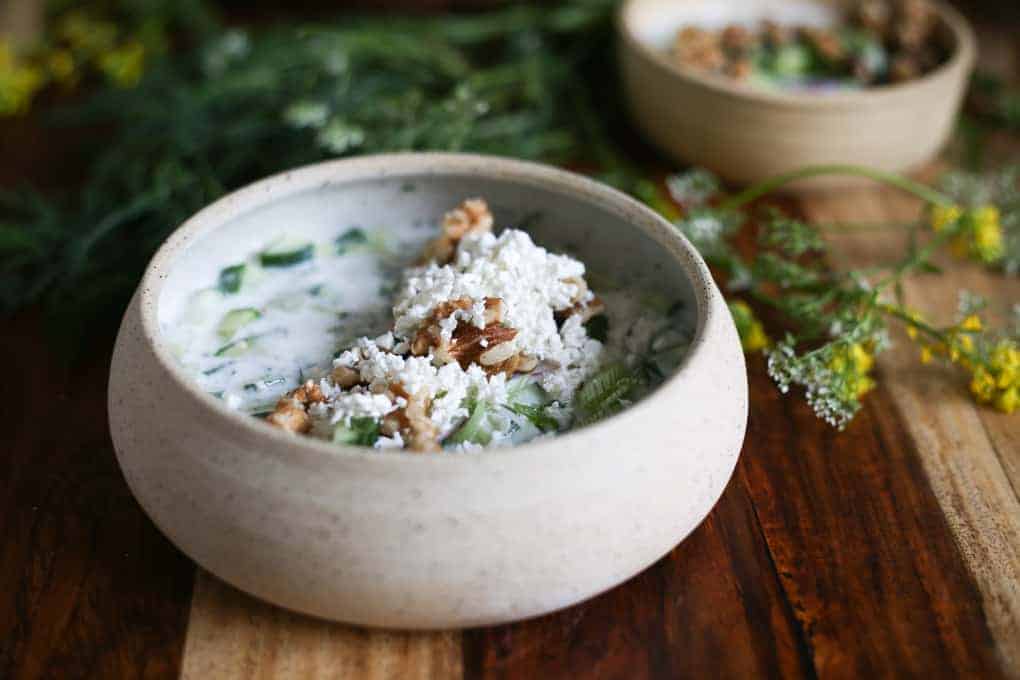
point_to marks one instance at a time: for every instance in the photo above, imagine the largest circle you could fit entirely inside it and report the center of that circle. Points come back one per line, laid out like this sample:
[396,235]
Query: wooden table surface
[889,550]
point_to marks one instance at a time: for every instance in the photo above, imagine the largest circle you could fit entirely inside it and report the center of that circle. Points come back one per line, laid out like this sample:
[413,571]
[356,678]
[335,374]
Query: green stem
[920,256]
[927,329]
[923,192]
[849,227]
[906,318]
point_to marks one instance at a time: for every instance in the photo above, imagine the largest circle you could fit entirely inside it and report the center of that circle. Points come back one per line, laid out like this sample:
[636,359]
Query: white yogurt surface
[307,312]
[302,301]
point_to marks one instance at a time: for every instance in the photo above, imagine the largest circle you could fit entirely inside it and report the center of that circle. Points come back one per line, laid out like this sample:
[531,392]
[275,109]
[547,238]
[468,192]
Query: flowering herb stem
[752,193]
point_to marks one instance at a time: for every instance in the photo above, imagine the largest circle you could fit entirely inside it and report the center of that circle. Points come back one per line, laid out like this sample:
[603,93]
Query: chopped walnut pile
[405,387]
[489,346]
[877,41]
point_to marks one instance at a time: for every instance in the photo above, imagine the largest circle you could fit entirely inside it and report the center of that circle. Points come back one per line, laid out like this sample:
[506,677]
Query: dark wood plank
[861,545]
[827,556]
[710,609]
[88,587]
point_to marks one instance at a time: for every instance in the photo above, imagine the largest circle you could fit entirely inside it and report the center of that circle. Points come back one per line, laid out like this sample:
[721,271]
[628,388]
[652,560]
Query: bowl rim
[401,166]
[961,60]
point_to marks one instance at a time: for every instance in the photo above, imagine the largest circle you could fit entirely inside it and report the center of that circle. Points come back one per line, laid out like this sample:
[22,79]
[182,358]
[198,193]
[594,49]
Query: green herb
[525,81]
[286,256]
[231,278]
[838,320]
[350,238]
[605,393]
[362,431]
[537,414]
[598,327]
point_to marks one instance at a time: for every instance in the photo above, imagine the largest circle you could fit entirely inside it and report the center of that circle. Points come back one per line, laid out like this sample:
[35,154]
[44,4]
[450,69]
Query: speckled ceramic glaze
[747,134]
[408,540]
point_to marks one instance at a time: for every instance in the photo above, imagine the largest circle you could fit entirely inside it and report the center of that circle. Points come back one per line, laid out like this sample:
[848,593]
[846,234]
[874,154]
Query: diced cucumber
[286,252]
[475,429]
[537,415]
[349,239]
[792,60]
[236,348]
[231,278]
[235,319]
[524,390]
[361,432]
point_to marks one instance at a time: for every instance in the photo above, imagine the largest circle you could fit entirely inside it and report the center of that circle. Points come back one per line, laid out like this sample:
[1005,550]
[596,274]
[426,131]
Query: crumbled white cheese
[532,285]
[531,282]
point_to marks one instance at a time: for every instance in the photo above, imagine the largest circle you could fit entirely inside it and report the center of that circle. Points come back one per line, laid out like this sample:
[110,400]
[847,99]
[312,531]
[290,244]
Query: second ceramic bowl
[747,134]
[406,540]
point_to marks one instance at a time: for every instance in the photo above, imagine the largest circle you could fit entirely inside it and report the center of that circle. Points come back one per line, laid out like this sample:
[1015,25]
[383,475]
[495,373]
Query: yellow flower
[986,242]
[18,83]
[999,383]
[1008,400]
[926,354]
[756,338]
[853,363]
[1005,362]
[124,65]
[972,323]
[752,334]
[862,359]
[943,216]
[864,385]
[982,385]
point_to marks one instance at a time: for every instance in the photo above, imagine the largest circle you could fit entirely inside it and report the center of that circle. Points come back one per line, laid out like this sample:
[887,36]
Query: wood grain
[827,557]
[88,587]
[233,636]
[971,454]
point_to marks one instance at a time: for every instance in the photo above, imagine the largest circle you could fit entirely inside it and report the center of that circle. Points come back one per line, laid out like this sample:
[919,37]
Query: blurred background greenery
[120,118]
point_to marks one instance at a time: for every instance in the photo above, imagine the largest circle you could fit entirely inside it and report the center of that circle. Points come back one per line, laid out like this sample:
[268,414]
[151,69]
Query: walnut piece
[470,217]
[412,422]
[489,347]
[587,310]
[469,343]
[291,413]
[345,377]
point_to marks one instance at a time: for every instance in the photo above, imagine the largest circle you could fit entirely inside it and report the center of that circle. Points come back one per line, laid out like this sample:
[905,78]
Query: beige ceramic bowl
[747,134]
[409,540]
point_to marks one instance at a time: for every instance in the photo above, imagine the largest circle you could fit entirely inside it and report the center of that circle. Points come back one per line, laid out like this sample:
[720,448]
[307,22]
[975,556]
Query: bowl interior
[617,253]
[655,22]
[652,25]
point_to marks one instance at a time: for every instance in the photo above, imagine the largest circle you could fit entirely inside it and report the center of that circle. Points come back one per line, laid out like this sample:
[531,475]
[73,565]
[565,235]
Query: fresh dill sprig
[523,81]
[838,321]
